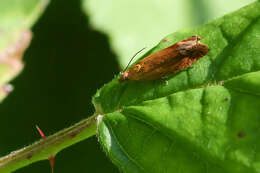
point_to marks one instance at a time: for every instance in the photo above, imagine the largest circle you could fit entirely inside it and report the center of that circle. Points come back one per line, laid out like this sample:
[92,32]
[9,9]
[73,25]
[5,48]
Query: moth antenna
[133,58]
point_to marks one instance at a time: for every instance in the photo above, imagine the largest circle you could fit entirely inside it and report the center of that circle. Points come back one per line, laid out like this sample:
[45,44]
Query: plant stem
[50,146]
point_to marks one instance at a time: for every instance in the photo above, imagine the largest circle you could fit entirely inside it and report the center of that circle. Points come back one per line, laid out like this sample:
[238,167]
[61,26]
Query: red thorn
[41,133]
[51,159]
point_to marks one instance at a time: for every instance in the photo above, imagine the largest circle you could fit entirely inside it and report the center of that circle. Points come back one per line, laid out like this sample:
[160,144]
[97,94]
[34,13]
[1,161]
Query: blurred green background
[72,55]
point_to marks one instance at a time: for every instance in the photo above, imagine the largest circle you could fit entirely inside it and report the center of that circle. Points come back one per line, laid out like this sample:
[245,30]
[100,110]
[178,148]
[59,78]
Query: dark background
[66,63]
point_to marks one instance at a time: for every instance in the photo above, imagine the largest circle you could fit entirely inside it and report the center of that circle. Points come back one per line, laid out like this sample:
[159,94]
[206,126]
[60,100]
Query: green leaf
[17,16]
[203,119]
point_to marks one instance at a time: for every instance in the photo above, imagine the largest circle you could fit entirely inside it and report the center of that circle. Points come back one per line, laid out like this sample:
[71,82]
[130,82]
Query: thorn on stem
[51,158]
[41,133]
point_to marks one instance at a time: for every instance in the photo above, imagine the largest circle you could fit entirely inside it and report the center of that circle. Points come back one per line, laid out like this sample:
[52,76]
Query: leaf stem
[49,146]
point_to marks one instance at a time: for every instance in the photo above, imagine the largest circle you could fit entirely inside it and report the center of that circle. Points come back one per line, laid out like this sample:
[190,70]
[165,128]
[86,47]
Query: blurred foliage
[16,17]
[68,61]
[132,25]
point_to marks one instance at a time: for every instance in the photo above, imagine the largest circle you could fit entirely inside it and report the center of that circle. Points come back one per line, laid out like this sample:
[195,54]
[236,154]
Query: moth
[168,61]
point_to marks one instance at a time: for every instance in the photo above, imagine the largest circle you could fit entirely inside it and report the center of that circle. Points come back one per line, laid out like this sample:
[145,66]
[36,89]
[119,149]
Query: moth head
[124,77]
[199,50]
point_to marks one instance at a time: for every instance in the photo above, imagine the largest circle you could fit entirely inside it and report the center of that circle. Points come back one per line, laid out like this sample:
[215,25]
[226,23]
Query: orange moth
[168,61]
